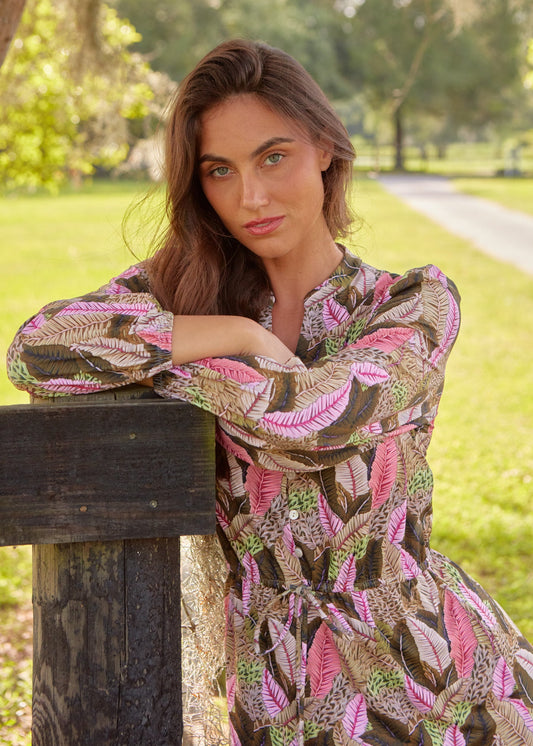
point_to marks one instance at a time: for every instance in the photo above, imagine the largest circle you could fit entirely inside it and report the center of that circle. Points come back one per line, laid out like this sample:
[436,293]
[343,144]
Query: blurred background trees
[85,80]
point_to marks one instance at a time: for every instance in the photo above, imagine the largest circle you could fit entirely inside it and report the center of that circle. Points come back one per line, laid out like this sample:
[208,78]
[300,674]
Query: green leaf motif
[461,711]
[311,730]
[303,499]
[421,480]
[249,671]
[399,391]
[332,346]
[354,332]
[435,731]
[380,679]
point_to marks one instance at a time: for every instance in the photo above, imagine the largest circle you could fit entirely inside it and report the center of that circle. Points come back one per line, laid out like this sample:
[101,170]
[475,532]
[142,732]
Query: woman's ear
[325,150]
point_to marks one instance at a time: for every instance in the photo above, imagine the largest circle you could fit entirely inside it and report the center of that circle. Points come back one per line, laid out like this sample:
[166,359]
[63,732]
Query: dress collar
[338,281]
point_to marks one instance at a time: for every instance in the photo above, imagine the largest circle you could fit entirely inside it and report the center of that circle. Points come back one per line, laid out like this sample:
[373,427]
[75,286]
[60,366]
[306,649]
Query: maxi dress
[342,625]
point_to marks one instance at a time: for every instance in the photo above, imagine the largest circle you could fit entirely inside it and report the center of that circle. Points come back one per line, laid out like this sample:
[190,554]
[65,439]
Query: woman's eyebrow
[271,142]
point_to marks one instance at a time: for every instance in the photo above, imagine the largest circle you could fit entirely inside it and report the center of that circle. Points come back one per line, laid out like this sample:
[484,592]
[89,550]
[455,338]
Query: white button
[293,514]
[298,552]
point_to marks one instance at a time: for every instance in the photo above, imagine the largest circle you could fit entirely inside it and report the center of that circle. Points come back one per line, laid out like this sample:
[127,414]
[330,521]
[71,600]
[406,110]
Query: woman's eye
[220,171]
[273,158]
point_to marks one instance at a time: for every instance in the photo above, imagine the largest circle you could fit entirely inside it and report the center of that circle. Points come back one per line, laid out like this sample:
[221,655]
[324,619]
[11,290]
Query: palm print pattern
[343,625]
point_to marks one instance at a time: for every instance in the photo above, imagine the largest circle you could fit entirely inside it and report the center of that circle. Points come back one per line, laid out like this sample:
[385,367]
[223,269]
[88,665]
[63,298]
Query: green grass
[517,194]
[482,450]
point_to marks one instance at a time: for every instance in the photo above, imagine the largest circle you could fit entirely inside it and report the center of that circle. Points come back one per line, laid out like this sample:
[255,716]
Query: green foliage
[65,102]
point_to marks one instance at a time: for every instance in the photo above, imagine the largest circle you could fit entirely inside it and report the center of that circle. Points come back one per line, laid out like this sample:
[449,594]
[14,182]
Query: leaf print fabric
[343,625]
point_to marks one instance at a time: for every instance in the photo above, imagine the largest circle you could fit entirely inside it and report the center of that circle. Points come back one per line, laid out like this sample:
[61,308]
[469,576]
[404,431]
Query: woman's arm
[119,334]
[389,378]
[197,337]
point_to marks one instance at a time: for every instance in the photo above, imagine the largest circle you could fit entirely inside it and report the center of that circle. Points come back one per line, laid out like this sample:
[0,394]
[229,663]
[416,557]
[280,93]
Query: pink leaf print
[274,697]
[330,521]
[462,637]
[454,737]
[385,340]
[221,517]
[410,567]
[323,662]
[35,323]
[353,475]
[381,291]
[397,524]
[318,415]
[525,659]
[333,314]
[453,320]
[288,538]
[71,385]
[284,648]
[523,711]
[383,473]
[438,274]
[368,373]
[346,576]
[233,369]
[230,691]
[160,339]
[423,699]
[432,648]
[355,720]
[252,570]
[114,307]
[229,445]
[262,485]
[486,615]
[246,592]
[360,601]
[503,682]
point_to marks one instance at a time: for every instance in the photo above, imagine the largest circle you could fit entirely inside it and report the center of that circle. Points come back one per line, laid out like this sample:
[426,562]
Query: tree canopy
[68,86]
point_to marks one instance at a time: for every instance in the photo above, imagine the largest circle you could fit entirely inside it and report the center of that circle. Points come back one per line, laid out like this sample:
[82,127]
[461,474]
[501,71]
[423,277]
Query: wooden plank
[107,643]
[105,470]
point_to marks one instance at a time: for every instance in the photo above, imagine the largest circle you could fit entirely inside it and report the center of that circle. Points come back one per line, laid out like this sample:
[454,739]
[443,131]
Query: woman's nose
[253,192]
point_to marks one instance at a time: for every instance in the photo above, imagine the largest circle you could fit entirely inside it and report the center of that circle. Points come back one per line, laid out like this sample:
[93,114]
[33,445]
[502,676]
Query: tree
[10,14]
[442,57]
[68,86]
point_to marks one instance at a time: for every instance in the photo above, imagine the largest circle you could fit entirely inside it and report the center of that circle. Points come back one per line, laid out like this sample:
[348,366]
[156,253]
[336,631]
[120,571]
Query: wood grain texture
[106,470]
[107,644]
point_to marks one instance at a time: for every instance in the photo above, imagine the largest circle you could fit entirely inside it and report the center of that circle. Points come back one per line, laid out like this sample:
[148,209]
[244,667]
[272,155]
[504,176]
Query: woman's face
[263,177]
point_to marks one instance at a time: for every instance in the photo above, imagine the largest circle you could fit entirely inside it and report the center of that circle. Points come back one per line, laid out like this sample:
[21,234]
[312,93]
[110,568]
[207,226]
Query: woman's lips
[264,226]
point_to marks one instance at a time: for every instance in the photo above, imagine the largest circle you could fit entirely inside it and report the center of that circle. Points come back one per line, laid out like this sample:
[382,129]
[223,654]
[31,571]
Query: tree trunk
[10,14]
[398,140]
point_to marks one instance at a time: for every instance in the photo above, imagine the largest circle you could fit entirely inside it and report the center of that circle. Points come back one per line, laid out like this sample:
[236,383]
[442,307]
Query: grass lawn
[517,194]
[482,450]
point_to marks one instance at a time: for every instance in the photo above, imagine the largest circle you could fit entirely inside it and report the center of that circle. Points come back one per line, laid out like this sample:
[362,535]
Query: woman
[342,625]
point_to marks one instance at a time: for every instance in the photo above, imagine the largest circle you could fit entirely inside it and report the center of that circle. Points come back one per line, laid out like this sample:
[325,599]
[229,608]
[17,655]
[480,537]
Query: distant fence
[103,486]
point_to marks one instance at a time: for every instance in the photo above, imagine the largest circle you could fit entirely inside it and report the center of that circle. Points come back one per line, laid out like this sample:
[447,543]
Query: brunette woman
[343,626]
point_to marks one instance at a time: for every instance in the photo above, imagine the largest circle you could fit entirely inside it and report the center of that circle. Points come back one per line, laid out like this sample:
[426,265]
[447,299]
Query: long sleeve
[116,335]
[388,380]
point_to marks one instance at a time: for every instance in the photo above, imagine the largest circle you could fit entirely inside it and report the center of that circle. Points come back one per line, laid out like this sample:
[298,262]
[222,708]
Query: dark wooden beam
[105,470]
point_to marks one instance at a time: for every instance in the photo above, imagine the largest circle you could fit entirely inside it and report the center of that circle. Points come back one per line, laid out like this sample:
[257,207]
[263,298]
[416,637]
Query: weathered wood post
[103,486]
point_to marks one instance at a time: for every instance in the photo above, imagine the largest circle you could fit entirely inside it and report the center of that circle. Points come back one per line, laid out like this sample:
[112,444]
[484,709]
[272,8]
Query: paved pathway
[503,233]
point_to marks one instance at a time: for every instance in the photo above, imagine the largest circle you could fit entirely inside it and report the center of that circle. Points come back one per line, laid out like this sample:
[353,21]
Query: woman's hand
[196,337]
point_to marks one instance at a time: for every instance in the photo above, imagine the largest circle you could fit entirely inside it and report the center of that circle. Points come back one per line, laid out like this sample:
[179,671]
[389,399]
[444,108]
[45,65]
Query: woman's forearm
[197,337]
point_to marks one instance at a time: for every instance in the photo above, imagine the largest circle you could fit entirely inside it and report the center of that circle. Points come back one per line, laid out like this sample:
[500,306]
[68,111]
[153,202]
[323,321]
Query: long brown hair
[200,268]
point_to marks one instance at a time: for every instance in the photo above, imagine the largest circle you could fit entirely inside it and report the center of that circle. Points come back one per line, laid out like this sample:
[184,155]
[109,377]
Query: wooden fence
[103,486]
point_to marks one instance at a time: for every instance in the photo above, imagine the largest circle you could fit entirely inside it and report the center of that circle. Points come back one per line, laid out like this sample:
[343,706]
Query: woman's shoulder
[134,279]
[383,285]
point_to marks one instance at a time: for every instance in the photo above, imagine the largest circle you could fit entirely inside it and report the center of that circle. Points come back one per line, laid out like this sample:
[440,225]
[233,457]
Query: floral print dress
[343,626]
